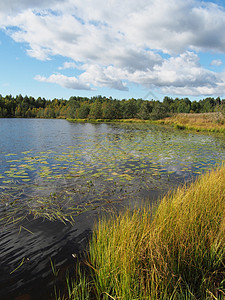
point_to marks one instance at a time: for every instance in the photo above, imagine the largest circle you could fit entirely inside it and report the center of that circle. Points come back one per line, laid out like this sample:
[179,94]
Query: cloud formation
[64,81]
[68,65]
[12,6]
[216,62]
[154,43]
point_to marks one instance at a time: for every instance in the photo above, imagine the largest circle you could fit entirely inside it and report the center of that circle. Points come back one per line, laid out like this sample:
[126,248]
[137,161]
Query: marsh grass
[174,252]
[211,122]
[109,120]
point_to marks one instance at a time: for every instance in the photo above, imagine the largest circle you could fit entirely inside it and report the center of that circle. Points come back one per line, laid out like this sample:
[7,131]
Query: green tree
[184,106]
[74,104]
[158,111]
[208,104]
[129,109]
[168,104]
[83,110]
[195,107]
[96,110]
[145,110]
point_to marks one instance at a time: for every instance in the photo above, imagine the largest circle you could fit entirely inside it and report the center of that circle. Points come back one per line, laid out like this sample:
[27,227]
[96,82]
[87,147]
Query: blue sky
[123,49]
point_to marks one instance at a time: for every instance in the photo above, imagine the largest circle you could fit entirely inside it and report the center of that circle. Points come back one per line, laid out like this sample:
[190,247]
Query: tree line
[99,107]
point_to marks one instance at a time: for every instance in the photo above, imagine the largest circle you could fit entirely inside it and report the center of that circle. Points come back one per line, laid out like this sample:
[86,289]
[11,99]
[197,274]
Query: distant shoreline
[206,122]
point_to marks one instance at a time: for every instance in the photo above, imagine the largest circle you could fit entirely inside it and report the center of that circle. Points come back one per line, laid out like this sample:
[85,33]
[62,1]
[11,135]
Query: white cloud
[183,70]
[12,6]
[64,81]
[115,42]
[216,62]
[181,75]
[176,25]
[103,77]
[69,65]
[90,29]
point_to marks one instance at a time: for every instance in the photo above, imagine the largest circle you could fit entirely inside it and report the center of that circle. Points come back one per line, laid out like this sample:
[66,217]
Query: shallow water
[73,172]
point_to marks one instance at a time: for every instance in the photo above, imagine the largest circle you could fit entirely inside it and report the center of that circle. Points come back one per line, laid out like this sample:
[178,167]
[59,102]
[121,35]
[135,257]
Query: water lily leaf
[7,181]
[114,173]
[44,162]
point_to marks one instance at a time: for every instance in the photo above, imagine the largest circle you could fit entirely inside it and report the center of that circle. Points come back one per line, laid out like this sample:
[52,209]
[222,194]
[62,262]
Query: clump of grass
[178,253]
[188,235]
[78,287]
[115,255]
[212,122]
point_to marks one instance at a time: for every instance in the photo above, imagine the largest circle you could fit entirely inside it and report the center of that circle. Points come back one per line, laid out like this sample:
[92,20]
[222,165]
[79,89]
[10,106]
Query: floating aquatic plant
[100,168]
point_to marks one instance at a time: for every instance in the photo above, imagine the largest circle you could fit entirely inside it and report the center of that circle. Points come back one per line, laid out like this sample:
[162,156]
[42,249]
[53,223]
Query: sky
[132,48]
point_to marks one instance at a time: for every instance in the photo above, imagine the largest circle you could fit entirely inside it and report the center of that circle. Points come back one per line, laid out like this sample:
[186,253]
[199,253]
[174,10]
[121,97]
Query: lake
[57,177]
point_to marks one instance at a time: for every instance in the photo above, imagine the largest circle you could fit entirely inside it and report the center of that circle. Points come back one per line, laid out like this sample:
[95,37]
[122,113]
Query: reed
[211,122]
[174,252]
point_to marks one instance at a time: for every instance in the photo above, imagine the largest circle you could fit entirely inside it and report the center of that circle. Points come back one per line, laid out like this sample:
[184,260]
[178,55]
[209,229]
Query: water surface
[53,171]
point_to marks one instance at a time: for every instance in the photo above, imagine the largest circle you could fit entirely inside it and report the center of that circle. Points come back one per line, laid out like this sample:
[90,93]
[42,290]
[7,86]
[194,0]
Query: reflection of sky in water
[54,153]
[77,167]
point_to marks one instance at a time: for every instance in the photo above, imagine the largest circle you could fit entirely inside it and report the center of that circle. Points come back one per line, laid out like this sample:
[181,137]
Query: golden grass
[214,122]
[176,251]
[177,254]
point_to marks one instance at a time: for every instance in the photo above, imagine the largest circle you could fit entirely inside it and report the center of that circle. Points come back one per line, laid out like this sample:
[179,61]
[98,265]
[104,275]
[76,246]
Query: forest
[100,107]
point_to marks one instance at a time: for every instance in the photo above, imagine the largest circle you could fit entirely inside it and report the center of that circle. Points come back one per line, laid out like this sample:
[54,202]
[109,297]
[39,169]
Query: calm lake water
[56,177]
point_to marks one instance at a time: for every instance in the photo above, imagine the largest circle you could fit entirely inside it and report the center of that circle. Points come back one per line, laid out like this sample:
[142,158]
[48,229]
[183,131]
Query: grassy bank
[176,251]
[109,120]
[211,122]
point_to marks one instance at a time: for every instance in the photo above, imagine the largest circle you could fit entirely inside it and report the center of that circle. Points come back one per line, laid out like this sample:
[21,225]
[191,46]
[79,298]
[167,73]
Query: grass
[175,251]
[108,120]
[211,122]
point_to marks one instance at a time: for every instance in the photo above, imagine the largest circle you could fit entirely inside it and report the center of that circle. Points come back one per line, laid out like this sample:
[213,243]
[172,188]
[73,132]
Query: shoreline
[201,122]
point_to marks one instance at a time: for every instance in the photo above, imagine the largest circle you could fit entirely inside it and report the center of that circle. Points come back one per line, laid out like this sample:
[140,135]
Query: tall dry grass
[175,252]
[212,122]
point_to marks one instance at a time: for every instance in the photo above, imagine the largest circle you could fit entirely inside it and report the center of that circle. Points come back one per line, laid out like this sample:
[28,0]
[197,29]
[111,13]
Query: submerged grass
[175,252]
